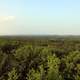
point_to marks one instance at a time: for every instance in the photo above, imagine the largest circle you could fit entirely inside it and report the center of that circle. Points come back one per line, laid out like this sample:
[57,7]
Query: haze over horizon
[40,17]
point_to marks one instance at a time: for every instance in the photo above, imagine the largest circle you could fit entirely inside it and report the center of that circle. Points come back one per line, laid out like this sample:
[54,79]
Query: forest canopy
[40,59]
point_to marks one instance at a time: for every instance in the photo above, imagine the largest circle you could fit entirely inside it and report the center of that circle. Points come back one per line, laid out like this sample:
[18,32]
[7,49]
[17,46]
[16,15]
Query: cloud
[7,24]
[6,18]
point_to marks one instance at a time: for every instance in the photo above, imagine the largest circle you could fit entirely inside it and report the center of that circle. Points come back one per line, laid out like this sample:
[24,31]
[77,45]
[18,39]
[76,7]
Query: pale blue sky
[33,17]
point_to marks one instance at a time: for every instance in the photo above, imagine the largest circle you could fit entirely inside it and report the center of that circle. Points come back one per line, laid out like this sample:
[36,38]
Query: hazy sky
[33,17]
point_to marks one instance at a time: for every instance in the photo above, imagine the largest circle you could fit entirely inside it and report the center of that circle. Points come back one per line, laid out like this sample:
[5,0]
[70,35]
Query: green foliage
[53,71]
[33,75]
[13,75]
[39,59]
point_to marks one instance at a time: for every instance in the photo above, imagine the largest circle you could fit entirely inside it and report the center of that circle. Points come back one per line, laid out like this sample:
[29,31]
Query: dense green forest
[40,58]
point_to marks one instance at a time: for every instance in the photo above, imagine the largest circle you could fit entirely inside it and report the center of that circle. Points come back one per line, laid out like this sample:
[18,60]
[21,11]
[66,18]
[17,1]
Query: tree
[53,71]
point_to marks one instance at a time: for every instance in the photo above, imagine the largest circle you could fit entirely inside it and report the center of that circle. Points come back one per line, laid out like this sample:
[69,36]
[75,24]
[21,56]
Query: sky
[39,17]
